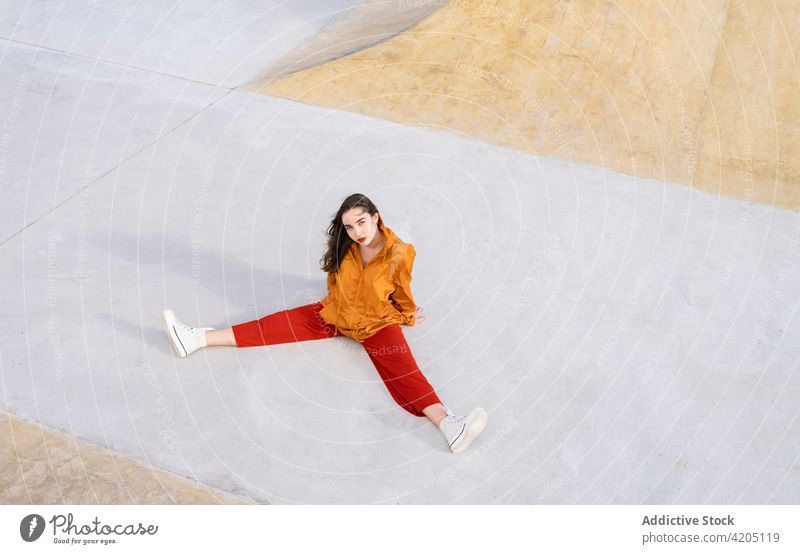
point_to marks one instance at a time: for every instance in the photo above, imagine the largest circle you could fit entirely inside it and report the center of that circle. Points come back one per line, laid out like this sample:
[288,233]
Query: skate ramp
[633,341]
[700,94]
[365,24]
[222,42]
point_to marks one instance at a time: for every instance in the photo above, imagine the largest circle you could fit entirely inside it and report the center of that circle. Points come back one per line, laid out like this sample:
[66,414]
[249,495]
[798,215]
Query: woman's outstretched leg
[221,337]
[294,325]
[392,357]
[435,412]
[297,324]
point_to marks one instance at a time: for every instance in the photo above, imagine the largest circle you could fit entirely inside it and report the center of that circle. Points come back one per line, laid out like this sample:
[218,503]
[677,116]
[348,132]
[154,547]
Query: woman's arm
[402,298]
[331,287]
[331,281]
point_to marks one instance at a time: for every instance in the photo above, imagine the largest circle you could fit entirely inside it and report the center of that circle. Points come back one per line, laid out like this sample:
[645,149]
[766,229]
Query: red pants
[387,349]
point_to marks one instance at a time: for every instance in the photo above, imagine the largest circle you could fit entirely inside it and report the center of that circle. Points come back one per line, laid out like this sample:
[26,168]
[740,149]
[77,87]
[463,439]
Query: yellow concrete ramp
[42,466]
[365,24]
[698,93]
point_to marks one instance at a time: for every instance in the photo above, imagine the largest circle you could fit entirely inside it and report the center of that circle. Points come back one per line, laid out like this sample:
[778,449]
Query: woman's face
[362,227]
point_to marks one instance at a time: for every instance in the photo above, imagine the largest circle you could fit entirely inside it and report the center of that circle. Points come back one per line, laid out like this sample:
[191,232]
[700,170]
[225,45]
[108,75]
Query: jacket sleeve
[402,297]
[331,287]
[331,282]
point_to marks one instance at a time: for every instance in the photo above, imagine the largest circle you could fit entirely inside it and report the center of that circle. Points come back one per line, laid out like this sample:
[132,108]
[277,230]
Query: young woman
[369,297]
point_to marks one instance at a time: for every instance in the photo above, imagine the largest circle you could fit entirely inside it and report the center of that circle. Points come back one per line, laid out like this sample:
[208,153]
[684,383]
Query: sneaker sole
[476,421]
[168,318]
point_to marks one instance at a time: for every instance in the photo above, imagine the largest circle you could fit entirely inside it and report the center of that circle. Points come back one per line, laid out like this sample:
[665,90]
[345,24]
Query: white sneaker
[460,431]
[184,339]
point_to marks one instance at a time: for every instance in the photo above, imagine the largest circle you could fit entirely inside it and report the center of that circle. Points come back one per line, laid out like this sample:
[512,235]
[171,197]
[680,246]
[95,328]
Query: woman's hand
[418,315]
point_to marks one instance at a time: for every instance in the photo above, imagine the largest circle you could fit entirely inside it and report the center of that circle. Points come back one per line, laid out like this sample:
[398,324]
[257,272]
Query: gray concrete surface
[223,42]
[631,340]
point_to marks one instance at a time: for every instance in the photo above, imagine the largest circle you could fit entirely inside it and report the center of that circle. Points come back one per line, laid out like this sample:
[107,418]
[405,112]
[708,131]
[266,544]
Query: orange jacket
[363,300]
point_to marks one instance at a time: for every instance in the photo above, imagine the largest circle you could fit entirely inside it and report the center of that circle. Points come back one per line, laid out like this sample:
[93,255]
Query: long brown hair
[338,239]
